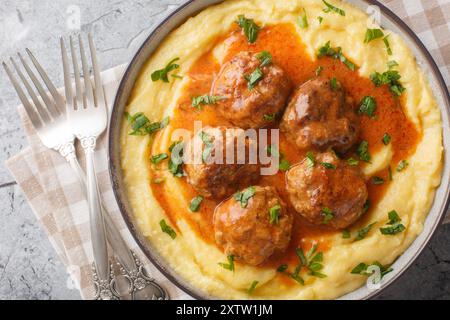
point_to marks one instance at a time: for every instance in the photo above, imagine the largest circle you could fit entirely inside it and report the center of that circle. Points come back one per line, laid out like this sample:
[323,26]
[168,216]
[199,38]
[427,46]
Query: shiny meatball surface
[330,192]
[321,116]
[209,170]
[246,229]
[250,107]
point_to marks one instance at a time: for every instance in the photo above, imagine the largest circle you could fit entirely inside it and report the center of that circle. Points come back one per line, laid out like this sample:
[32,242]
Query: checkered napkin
[57,200]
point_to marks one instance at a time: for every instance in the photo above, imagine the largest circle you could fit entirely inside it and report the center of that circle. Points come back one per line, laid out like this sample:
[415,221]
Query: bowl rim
[113,170]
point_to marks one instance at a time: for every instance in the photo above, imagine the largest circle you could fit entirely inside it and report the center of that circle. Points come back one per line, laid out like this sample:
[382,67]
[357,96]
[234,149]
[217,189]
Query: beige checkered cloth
[57,200]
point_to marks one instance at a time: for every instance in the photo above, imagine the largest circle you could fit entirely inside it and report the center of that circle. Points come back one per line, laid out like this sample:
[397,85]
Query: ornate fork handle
[130,266]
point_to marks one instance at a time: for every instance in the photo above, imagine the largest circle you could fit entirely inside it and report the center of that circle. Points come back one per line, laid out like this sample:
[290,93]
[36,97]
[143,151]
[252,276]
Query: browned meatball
[333,196]
[246,229]
[321,116]
[249,107]
[210,172]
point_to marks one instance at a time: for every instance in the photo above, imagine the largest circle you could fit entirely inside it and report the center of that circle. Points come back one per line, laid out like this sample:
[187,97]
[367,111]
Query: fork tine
[87,79]
[79,97]
[67,81]
[43,113]
[54,112]
[27,105]
[98,91]
[55,94]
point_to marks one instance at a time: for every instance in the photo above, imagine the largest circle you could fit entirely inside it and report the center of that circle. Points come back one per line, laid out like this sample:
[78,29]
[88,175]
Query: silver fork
[49,120]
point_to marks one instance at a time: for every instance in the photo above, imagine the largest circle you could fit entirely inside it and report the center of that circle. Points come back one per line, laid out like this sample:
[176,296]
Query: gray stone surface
[29,268]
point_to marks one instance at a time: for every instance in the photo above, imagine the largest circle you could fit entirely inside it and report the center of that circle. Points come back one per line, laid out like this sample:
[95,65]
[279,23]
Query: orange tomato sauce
[288,52]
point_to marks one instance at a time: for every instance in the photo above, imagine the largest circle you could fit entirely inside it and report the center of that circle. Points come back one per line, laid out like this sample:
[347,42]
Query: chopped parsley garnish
[362,233]
[320,19]
[303,20]
[391,64]
[254,77]
[372,34]
[243,196]
[389,173]
[230,265]
[157,158]
[162,74]
[176,159]
[328,215]
[387,45]
[377,180]
[142,126]
[319,70]
[394,225]
[310,160]
[352,162]
[367,106]
[274,214]
[252,287]
[209,145]
[366,206]
[198,101]
[334,84]
[346,234]
[402,165]
[363,151]
[269,117]
[167,229]
[361,269]
[194,206]
[283,164]
[249,27]
[328,51]
[328,165]
[386,139]
[390,78]
[265,58]
[331,8]
[282,268]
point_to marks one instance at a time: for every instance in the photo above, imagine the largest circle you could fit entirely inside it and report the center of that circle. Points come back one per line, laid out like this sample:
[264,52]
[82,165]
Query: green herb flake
[249,27]
[392,64]
[282,268]
[194,206]
[274,214]
[162,74]
[361,269]
[386,139]
[328,165]
[159,157]
[319,70]
[346,234]
[391,78]
[198,101]
[394,225]
[352,162]
[176,159]
[377,180]
[265,58]
[303,20]
[372,34]
[336,53]
[367,106]
[142,126]
[167,229]
[328,215]
[252,287]
[363,151]
[284,164]
[334,84]
[320,19]
[387,45]
[269,117]
[310,159]
[366,206]
[230,265]
[244,196]
[254,78]
[331,8]
[362,233]
[402,165]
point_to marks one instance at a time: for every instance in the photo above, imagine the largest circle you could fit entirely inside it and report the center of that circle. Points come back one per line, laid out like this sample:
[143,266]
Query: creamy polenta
[208,36]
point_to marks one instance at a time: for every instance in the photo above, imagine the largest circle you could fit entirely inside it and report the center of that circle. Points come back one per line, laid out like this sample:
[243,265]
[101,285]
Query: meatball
[211,170]
[248,107]
[321,116]
[327,191]
[252,225]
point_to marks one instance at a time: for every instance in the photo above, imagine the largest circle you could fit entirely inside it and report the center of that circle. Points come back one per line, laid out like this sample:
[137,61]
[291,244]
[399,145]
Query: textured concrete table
[29,268]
